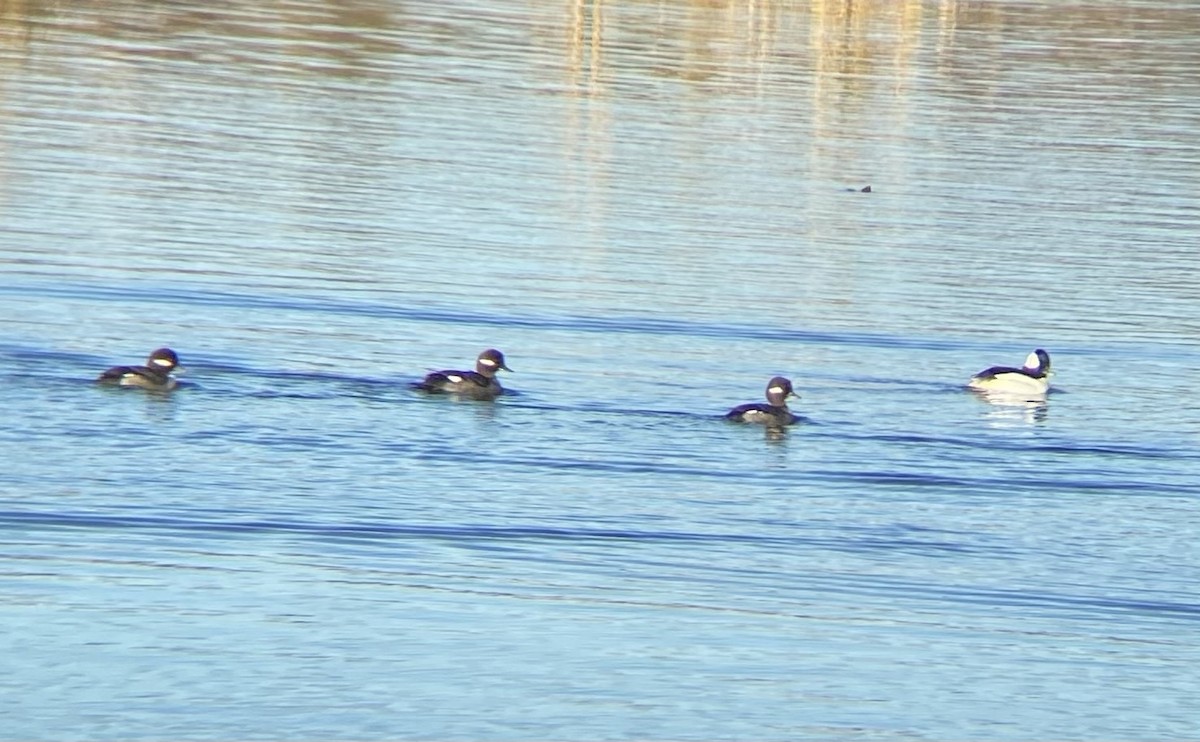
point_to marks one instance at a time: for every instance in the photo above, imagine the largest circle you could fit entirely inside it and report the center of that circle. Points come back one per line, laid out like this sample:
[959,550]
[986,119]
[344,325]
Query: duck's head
[489,362]
[1038,363]
[778,390]
[164,360]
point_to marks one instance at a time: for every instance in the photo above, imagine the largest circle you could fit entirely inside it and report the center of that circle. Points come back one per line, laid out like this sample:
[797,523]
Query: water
[651,208]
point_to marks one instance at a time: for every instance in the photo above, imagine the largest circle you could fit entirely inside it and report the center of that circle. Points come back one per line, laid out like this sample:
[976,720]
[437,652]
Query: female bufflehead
[1033,378]
[478,384]
[774,413]
[156,374]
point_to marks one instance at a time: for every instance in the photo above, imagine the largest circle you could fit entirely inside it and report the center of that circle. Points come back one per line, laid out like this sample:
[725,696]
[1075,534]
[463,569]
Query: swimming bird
[1032,378]
[774,413]
[478,384]
[156,374]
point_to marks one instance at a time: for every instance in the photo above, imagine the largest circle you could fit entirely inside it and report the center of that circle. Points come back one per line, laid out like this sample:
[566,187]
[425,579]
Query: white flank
[139,380]
[1010,383]
[453,378]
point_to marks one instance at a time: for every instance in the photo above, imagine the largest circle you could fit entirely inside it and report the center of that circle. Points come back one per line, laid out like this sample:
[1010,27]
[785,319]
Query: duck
[478,384]
[774,413]
[156,374]
[1032,378]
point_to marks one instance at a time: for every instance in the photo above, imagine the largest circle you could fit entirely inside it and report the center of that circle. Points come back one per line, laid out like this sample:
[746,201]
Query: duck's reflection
[775,434]
[1006,408]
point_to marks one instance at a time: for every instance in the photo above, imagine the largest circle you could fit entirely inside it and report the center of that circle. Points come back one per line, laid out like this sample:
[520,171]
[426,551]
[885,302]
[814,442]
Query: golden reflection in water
[16,32]
[859,58]
[319,37]
[15,27]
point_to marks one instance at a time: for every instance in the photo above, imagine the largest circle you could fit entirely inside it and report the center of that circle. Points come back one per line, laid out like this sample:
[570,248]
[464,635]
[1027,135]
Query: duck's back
[764,414]
[467,383]
[142,376]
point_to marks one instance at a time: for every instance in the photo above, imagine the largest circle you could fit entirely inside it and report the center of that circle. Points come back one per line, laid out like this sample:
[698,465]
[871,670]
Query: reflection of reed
[588,130]
[856,58]
[862,60]
[830,76]
[584,47]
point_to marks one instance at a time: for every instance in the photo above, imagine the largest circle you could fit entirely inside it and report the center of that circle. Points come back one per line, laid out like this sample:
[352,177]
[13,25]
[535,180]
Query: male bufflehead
[774,413]
[1032,378]
[156,374]
[478,384]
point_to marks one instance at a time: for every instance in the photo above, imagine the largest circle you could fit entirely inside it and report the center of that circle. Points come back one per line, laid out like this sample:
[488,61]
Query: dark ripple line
[69,520]
[785,609]
[1085,449]
[990,597]
[513,398]
[184,296]
[1021,598]
[191,296]
[885,478]
[401,386]
[477,534]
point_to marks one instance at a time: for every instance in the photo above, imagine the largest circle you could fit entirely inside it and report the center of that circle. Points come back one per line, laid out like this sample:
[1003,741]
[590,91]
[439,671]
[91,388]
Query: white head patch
[1032,361]
[776,390]
[487,362]
[162,362]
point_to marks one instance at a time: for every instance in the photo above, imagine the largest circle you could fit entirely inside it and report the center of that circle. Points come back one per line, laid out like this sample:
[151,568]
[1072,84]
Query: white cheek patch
[776,390]
[487,362]
[162,362]
[1032,361]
